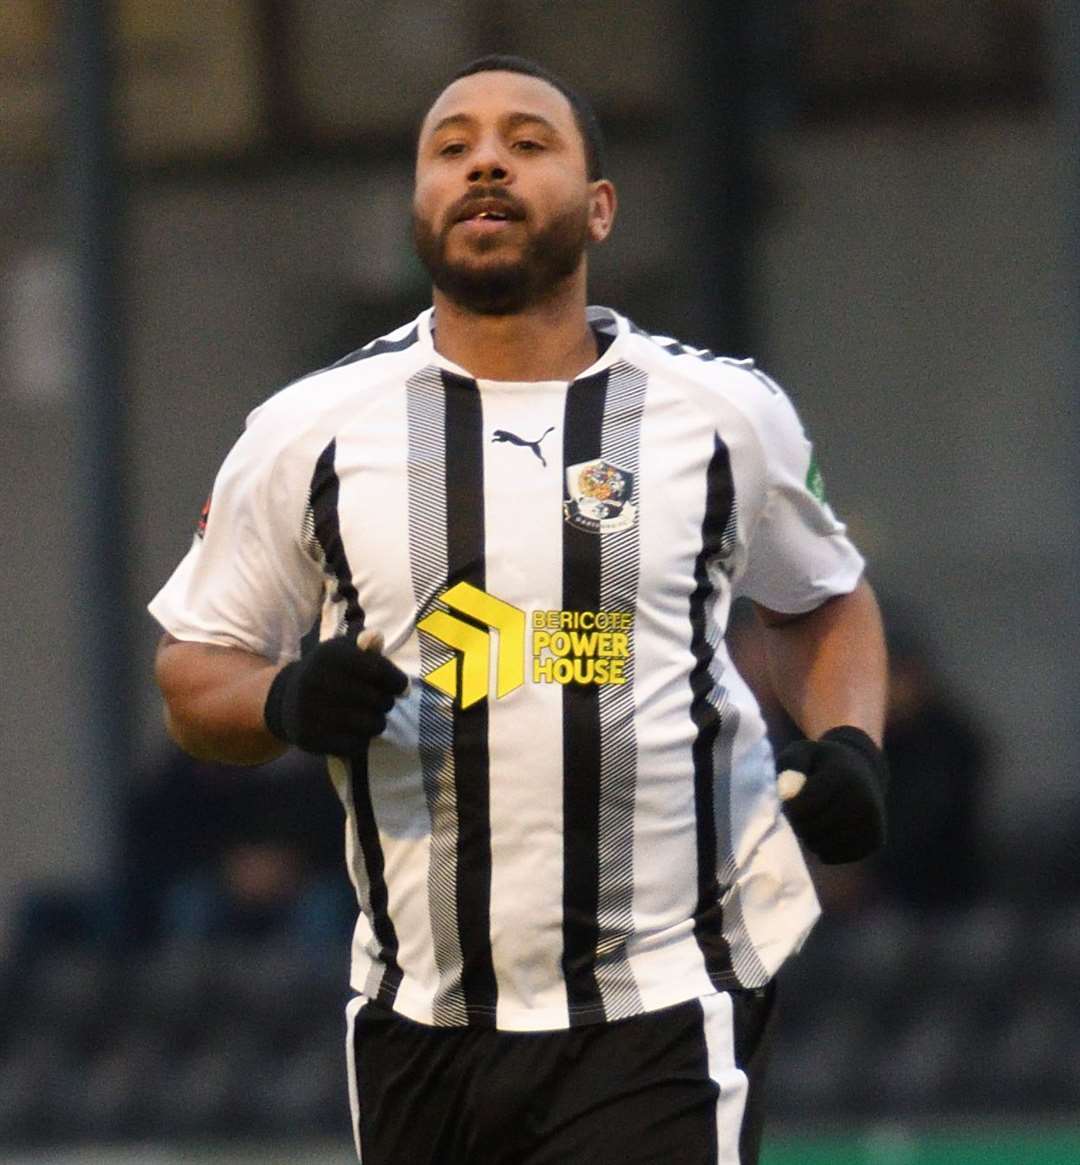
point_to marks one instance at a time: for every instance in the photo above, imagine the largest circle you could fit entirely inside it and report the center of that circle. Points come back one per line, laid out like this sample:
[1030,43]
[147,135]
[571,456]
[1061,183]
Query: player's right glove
[839,812]
[334,699]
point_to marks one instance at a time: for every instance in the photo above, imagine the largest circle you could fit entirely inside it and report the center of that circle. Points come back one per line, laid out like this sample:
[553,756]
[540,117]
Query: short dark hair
[584,115]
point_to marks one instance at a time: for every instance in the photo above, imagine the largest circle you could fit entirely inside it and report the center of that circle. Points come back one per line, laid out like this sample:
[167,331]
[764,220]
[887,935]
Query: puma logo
[514,439]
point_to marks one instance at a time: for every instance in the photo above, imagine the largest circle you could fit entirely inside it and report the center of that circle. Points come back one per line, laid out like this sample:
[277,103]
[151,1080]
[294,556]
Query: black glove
[839,814]
[334,699]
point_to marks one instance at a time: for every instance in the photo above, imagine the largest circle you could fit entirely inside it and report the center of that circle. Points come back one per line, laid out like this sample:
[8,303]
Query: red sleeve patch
[204,517]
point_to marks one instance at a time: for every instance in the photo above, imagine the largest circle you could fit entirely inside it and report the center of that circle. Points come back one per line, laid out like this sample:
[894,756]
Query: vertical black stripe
[367,837]
[582,430]
[465,563]
[708,914]
[325,492]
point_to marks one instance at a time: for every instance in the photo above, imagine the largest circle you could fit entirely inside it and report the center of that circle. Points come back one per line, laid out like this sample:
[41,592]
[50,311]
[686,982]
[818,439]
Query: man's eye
[451,148]
[527,145]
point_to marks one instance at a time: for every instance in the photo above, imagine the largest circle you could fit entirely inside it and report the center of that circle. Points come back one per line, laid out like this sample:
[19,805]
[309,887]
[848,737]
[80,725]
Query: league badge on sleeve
[598,497]
[815,483]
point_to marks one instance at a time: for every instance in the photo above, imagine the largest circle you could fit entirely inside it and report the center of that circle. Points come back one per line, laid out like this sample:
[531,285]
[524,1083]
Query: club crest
[598,497]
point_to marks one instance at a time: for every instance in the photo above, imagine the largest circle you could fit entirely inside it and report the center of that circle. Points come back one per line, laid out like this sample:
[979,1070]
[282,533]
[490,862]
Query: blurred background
[202,200]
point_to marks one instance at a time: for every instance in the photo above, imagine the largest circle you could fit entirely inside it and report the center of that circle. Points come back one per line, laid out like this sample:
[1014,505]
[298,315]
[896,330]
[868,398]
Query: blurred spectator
[934,858]
[937,756]
[209,851]
[215,851]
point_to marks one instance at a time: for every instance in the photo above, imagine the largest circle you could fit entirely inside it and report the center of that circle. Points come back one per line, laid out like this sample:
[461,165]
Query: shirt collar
[603,320]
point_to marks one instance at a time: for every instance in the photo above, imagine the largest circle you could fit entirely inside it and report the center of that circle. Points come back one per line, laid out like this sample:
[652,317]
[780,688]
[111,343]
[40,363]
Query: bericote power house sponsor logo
[539,647]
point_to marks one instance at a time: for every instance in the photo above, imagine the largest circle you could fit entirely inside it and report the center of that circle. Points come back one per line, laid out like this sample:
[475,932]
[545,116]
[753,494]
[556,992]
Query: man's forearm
[214,700]
[828,667]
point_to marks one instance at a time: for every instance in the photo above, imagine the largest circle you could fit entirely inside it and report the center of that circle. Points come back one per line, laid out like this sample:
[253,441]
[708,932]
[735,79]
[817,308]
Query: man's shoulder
[321,392]
[372,355]
[702,372]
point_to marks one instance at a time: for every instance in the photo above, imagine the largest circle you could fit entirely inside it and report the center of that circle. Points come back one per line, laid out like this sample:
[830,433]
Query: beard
[508,285]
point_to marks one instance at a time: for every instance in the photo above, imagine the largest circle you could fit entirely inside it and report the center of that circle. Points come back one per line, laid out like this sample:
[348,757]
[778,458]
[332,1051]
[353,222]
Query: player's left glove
[839,813]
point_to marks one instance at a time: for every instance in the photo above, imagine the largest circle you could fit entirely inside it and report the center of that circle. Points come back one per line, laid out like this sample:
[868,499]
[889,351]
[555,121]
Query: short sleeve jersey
[572,815]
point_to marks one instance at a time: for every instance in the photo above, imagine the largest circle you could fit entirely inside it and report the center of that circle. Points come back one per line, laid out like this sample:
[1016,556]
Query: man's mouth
[489,211]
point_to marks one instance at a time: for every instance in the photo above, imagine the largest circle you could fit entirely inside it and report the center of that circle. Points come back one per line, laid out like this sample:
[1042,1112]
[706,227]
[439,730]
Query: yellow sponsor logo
[474,644]
[580,647]
[568,647]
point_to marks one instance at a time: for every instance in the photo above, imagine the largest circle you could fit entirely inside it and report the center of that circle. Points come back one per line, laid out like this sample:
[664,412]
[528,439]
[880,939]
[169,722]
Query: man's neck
[551,341]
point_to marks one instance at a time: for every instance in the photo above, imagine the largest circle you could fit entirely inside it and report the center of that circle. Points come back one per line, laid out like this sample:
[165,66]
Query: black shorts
[679,1086]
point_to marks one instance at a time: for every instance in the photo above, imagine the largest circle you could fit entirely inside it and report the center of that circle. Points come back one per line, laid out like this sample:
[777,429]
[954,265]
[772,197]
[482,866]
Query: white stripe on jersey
[604,836]
[718,1023]
[525,727]
[428,561]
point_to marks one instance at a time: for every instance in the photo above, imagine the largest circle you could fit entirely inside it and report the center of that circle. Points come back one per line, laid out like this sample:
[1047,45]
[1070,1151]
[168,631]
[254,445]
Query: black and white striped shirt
[572,815]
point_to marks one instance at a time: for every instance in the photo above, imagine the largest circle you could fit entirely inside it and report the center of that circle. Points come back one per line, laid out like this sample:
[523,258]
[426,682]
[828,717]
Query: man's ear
[602,206]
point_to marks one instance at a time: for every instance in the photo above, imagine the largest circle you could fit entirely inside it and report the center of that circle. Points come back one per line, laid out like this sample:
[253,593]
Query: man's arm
[828,666]
[214,701]
[227,704]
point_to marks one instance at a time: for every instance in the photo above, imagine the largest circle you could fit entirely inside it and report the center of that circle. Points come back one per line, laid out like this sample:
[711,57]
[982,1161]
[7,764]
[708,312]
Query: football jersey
[572,815]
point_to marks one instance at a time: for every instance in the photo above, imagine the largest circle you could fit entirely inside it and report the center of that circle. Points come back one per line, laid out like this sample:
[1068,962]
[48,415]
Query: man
[523,521]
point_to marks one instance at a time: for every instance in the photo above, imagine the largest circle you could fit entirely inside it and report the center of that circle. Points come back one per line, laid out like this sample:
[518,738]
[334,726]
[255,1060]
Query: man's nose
[489,164]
